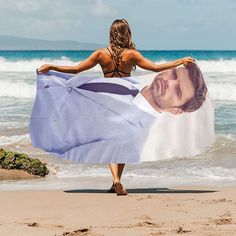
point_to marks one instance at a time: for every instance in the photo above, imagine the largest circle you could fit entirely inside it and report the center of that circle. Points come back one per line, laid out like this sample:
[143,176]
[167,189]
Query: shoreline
[193,210]
[18,180]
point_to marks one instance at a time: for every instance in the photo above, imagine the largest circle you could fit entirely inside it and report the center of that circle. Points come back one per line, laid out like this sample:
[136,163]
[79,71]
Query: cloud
[42,9]
[102,9]
[184,28]
[89,20]
[42,16]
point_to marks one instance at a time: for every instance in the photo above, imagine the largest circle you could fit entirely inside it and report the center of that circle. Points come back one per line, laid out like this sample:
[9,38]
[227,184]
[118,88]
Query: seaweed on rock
[21,161]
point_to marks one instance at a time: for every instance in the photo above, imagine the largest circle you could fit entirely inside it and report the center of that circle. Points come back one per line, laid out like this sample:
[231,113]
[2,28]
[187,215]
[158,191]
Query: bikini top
[116,70]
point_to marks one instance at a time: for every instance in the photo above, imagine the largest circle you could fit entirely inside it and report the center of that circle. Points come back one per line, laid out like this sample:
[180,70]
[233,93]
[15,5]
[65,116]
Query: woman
[117,60]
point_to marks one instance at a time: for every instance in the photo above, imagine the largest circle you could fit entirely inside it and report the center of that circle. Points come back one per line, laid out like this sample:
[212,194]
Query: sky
[155,24]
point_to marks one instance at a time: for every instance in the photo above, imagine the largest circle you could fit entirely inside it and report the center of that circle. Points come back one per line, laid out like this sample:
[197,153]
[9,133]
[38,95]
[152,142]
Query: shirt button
[69,89]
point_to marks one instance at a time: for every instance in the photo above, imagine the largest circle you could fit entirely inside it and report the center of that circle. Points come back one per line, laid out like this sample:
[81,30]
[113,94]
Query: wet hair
[120,38]
[200,89]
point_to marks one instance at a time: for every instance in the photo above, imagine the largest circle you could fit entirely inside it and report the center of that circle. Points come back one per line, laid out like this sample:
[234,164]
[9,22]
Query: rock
[21,161]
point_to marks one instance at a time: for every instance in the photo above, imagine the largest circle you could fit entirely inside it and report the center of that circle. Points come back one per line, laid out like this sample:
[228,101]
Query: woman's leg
[116,171]
[120,169]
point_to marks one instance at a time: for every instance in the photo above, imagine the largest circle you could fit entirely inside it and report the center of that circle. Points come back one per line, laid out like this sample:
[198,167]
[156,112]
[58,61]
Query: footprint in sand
[181,230]
[220,200]
[147,224]
[34,224]
[80,232]
[224,219]
[77,232]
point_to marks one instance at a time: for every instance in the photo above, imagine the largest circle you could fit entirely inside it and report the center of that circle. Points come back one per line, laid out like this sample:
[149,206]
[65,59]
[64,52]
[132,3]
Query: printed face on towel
[77,123]
[176,87]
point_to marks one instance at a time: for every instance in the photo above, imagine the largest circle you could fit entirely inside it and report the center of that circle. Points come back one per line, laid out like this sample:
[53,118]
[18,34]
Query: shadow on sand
[142,190]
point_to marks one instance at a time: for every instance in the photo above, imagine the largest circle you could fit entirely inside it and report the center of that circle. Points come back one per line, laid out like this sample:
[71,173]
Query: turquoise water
[17,93]
[152,55]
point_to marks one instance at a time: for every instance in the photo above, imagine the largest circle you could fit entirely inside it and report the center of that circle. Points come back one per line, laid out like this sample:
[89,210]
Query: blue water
[152,55]
[17,93]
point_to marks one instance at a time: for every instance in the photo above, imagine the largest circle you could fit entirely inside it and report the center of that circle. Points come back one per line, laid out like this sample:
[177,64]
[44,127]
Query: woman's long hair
[120,38]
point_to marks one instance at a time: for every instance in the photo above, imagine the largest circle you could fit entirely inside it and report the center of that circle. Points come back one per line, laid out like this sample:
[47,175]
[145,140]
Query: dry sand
[15,175]
[160,211]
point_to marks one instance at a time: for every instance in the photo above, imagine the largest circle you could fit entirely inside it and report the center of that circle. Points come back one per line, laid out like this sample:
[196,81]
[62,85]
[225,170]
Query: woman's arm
[88,63]
[146,64]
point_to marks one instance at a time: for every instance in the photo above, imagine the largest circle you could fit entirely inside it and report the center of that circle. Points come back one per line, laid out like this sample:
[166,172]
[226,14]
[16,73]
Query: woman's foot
[119,189]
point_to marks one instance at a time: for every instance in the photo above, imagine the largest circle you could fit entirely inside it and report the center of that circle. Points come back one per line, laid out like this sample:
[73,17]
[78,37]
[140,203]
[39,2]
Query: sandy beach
[176,135]
[15,175]
[159,211]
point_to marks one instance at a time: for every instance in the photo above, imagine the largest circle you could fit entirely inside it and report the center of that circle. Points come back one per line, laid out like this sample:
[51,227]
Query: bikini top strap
[116,67]
[109,51]
[114,62]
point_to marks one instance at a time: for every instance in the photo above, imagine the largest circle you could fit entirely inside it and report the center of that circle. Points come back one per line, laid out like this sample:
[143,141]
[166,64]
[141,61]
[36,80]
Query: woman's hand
[187,60]
[45,68]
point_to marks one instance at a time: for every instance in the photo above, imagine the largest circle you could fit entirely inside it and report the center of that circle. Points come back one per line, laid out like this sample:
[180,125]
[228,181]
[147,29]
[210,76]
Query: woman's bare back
[110,67]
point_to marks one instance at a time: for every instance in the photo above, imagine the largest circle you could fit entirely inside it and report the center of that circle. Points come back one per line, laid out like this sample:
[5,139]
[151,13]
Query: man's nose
[172,82]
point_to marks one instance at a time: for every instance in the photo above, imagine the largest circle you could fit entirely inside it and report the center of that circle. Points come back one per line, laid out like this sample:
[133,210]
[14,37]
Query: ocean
[215,167]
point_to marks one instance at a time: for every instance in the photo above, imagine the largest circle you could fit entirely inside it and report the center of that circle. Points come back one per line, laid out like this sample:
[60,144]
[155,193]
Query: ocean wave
[217,66]
[211,66]
[17,89]
[174,168]
[222,91]
[191,169]
[219,74]
[201,173]
[218,91]
[33,64]
[19,139]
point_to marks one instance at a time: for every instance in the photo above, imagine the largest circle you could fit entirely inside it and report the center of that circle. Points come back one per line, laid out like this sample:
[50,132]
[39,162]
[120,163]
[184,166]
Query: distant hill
[19,43]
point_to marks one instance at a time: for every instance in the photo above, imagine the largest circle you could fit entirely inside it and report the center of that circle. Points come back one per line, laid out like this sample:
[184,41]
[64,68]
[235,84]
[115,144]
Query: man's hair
[200,89]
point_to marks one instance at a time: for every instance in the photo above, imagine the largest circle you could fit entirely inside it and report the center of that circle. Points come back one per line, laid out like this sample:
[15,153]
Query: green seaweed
[21,161]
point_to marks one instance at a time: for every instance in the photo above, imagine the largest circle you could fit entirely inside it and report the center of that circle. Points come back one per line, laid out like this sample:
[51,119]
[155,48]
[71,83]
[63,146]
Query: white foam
[225,66]
[17,89]
[30,65]
[19,139]
[220,76]
[164,172]
[221,65]
[222,91]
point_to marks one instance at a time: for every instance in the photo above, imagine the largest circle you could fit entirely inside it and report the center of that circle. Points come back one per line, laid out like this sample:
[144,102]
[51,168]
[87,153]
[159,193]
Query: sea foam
[219,74]
[221,65]
[218,90]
